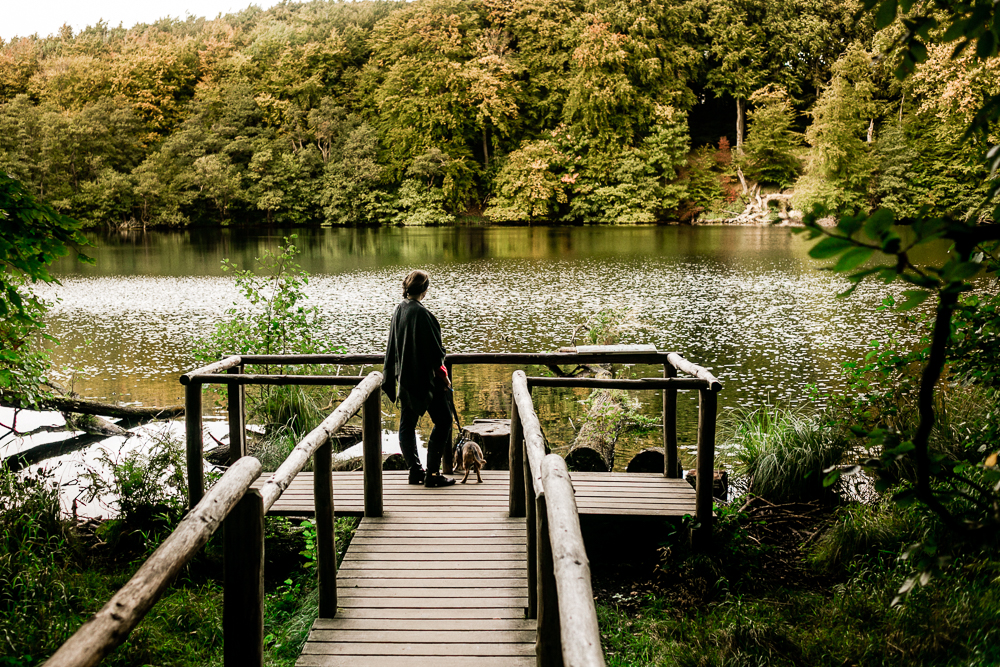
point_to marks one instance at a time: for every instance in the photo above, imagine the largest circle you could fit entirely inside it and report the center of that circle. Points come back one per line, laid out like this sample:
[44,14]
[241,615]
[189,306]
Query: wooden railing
[708,387]
[240,509]
[231,372]
[559,590]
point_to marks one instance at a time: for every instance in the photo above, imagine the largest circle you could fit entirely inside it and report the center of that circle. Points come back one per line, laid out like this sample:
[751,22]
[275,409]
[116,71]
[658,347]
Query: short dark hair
[416,283]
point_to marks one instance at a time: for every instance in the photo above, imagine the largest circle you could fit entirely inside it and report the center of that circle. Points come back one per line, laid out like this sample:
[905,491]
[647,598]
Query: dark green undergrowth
[55,574]
[732,607]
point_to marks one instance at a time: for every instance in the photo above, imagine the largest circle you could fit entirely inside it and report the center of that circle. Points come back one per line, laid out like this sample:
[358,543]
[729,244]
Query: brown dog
[470,457]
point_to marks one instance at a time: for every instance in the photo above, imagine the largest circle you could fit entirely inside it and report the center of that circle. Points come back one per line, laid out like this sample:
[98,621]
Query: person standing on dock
[414,358]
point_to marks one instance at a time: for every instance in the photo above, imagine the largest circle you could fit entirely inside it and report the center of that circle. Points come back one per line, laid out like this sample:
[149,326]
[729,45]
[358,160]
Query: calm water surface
[746,302]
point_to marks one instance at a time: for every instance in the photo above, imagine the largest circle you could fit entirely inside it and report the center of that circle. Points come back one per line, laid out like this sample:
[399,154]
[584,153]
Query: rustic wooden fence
[231,372]
[559,591]
[240,509]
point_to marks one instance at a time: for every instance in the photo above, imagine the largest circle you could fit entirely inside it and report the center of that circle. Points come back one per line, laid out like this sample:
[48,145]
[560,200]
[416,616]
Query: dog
[470,457]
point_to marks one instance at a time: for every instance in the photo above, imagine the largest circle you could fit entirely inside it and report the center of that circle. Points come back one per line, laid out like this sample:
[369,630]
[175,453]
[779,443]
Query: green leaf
[878,223]
[913,299]
[955,271]
[853,258]
[886,14]
[830,246]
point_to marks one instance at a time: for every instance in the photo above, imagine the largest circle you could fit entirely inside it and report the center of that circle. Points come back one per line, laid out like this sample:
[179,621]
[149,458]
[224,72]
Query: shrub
[780,454]
[273,319]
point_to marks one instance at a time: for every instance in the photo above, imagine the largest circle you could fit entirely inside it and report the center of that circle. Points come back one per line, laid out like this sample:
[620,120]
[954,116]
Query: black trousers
[411,409]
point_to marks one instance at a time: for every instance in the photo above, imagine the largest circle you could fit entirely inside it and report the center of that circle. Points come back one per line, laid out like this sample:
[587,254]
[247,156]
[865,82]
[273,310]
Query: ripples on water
[747,303]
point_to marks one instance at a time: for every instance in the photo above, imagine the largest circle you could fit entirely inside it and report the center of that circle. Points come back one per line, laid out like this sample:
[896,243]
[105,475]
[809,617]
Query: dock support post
[548,643]
[195,446]
[243,597]
[371,436]
[447,458]
[516,463]
[707,407]
[326,544]
[531,547]
[671,466]
[237,418]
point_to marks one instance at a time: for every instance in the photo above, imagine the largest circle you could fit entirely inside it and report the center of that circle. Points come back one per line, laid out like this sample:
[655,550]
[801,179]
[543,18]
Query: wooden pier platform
[597,493]
[441,579]
[440,590]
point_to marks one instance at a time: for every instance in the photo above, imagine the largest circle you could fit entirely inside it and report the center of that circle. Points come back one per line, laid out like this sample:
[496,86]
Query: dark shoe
[416,476]
[434,481]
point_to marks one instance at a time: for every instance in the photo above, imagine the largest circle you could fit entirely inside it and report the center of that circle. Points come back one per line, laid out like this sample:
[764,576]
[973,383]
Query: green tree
[771,142]
[32,236]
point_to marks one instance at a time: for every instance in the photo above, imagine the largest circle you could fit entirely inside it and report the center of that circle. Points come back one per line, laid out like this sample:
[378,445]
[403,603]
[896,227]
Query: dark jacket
[413,352]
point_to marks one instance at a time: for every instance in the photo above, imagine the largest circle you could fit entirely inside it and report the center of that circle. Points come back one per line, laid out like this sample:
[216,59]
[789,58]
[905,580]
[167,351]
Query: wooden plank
[431,593]
[428,566]
[439,636]
[394,557]
[468,625]
[454,613]
[367,539]
[489,604]
[412,661]
[417,547]
[484,570]
[387,649]
[442,582]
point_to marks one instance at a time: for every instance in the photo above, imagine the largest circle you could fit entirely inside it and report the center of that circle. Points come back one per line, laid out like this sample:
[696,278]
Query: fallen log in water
[87,406]
[594,447]
[49,450]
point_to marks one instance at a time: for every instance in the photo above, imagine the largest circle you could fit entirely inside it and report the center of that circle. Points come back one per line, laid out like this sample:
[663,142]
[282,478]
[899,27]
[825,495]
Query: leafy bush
[145,489]
[273,319]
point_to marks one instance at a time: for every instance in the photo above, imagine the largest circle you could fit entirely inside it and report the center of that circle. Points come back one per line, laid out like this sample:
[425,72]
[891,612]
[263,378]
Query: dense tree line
[520,110]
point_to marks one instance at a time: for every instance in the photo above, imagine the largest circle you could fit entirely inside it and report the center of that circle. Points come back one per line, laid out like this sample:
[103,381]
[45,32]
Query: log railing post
[705,467]
[447,458]
[326,545]
[548,642]
[195,446]
[516,463]
[371,436]
[237,418]
[243,597]
[531,546]
[671,466]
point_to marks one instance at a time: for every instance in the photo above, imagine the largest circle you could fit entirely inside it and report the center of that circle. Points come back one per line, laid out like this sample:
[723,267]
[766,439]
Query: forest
[435,111]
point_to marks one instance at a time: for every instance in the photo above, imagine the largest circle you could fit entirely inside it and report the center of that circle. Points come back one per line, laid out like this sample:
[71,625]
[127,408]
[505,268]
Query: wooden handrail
[217,367]
[110,626]
[682,364]
[622,383]
[557,563]
[300,455]
[531,428]
[250,378]
[580,635]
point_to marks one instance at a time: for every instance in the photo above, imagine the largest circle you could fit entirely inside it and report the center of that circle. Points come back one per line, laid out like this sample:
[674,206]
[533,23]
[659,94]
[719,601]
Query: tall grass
[779,454]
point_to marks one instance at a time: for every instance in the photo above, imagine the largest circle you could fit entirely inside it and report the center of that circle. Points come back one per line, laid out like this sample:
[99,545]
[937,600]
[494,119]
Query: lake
[746,302]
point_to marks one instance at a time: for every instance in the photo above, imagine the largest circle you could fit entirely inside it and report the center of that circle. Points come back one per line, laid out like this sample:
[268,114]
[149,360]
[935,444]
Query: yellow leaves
[991,460]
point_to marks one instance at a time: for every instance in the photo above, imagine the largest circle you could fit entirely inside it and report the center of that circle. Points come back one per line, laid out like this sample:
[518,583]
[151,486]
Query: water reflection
[746,302]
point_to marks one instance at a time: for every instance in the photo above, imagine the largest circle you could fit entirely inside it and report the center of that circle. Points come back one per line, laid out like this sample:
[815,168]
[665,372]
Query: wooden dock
[597,493]
[441,579]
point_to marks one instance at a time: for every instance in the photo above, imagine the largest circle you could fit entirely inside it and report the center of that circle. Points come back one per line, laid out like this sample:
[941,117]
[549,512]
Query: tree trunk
[871,131]
[486,149]
[86,406]
[740,122]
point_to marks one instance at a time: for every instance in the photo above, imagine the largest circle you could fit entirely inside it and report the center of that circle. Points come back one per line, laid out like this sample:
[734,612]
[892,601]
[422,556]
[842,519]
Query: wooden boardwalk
[441,579]
[597,493]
